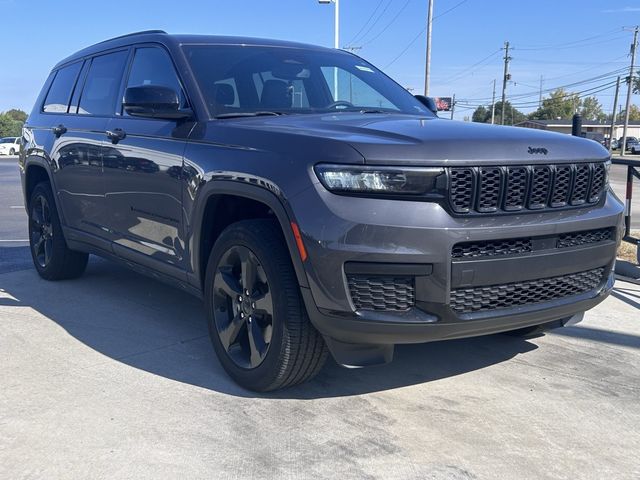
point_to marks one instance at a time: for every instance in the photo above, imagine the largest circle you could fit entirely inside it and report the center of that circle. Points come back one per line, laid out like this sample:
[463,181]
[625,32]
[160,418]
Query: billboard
[444,104]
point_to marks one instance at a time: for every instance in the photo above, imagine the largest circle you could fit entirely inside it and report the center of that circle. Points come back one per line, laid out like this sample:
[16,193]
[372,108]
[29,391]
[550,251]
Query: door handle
[116,135]
[59,130]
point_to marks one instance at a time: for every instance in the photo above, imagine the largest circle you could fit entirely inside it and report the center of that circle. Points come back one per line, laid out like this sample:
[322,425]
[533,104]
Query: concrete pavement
[113,376]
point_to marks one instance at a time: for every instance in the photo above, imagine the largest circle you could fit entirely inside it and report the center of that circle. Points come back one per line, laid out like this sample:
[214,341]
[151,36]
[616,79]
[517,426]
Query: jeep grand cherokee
[312,202]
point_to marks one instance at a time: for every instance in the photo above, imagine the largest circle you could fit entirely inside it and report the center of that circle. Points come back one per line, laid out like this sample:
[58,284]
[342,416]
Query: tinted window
[248,79]
[152,66]
[102,84]
[59,94]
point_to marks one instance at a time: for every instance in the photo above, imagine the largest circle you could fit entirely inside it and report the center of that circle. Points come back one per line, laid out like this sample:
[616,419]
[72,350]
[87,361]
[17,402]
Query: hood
[408,139]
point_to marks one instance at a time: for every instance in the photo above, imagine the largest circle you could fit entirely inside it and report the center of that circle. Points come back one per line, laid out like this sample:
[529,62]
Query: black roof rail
[143,32]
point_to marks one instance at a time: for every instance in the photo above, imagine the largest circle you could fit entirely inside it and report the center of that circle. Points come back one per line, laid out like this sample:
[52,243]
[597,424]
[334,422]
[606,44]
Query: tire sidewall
[58,244]
[262,376]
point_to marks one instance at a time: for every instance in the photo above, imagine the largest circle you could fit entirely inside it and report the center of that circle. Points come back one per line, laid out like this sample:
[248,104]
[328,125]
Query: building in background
[593,130]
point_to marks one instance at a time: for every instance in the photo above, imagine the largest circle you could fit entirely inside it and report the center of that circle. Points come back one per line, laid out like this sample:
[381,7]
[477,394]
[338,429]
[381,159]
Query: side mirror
[154,101]
[428,102]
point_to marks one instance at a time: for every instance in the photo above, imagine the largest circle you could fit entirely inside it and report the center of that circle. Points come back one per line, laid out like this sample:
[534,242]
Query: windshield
[8,140]
[236,79]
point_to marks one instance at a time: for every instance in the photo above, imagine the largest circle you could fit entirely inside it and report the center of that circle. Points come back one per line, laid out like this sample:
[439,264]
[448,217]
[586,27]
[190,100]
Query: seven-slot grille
[508,295]
[521,188]
[382,292]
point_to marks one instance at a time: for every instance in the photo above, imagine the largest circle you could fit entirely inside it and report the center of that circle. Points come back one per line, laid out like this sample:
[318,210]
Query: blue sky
[565,41]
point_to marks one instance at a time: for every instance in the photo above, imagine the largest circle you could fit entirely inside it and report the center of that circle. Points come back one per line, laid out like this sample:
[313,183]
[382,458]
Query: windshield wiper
[248,114]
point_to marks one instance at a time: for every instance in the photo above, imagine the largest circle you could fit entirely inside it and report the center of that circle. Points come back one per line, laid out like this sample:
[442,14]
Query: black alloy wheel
[258,323]
[243,307]
[52,257]
[41,231]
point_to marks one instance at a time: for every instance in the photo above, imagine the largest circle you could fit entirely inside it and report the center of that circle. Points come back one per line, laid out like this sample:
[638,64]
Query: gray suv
[313,203]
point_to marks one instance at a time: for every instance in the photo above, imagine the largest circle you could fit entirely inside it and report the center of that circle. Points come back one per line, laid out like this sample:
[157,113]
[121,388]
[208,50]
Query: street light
[336,41]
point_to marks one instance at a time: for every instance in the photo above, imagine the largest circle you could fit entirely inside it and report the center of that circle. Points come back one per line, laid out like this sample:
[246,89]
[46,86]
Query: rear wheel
[257,321]
[51,256]
[12,151]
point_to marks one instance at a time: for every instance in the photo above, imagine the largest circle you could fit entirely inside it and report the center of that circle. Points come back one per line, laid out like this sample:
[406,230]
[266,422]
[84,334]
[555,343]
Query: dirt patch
[628,251]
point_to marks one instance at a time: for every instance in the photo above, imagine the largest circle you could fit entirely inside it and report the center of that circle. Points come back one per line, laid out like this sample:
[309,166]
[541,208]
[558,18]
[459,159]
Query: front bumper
[340,230]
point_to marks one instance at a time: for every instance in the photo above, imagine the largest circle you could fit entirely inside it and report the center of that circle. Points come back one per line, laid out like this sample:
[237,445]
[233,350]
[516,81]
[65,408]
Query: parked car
[630,142]
[9,145]
[312,202]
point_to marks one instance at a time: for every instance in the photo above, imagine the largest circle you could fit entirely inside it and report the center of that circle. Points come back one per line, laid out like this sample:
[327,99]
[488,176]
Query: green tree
[592,110]
[559,104]
[634,114]
[480,114]
[512,115]
[17,115]
[9,127]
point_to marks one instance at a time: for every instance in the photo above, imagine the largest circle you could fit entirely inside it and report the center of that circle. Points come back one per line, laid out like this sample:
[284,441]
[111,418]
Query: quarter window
[57,100]
[102,84]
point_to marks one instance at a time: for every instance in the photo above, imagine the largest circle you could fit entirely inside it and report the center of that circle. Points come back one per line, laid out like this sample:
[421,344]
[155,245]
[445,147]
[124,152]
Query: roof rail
[143,32]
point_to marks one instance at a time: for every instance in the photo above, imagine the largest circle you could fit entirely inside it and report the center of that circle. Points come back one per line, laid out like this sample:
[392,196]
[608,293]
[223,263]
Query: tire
[261,351]
[51,256]
[12,152]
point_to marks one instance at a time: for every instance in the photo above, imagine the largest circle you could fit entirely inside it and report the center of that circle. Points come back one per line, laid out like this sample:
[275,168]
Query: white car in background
[9,145]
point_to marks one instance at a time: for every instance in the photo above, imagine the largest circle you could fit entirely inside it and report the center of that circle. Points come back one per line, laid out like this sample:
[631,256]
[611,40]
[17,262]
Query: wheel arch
[205,230]
[34,173]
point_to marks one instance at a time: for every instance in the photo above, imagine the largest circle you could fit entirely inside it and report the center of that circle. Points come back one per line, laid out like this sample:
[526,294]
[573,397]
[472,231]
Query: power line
[420,33]
[485,59]
[604,76]
[375,22]
[451,9]
[559,45]
[388,24]
[366,23]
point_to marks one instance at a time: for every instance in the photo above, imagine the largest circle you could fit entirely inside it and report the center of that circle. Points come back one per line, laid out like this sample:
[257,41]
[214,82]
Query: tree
[512,115]
[480,114]
[634,114]
[9,127]
[16,114]
[592,110]
[559,104]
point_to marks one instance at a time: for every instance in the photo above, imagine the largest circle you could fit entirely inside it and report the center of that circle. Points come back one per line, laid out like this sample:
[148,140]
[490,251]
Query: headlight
[379,180]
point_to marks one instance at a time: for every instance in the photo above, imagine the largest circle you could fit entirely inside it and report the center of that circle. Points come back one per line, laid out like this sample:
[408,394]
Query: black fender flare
[38,161]
[277,204]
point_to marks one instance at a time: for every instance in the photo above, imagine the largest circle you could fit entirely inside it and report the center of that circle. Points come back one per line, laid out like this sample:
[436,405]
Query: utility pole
[540,98]
[505,78]
[427,67]
[493,103]
[634,45]
[613,115]
[453,105]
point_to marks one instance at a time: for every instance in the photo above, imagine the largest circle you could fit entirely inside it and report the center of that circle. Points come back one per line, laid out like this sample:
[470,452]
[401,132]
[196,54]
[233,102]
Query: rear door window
[102,84]
[57,100]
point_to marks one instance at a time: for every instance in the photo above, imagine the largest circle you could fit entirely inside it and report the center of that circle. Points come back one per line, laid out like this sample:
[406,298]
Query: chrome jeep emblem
[537,151]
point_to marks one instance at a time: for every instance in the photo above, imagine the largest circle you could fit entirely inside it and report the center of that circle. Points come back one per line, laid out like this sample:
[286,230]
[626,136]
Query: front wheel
[12,151]
[257,322]
[51,256]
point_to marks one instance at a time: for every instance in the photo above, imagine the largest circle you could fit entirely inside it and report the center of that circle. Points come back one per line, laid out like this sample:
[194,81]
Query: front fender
[269,194]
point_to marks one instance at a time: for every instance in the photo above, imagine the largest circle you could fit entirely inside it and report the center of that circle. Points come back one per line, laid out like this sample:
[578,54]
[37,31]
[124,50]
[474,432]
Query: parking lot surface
[113,376]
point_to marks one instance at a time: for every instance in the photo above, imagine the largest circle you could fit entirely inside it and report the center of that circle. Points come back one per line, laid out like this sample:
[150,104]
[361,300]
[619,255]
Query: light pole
[336,41]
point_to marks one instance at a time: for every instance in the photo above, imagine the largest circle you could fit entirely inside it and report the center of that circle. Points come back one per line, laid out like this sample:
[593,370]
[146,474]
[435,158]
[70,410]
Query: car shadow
[159,329]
